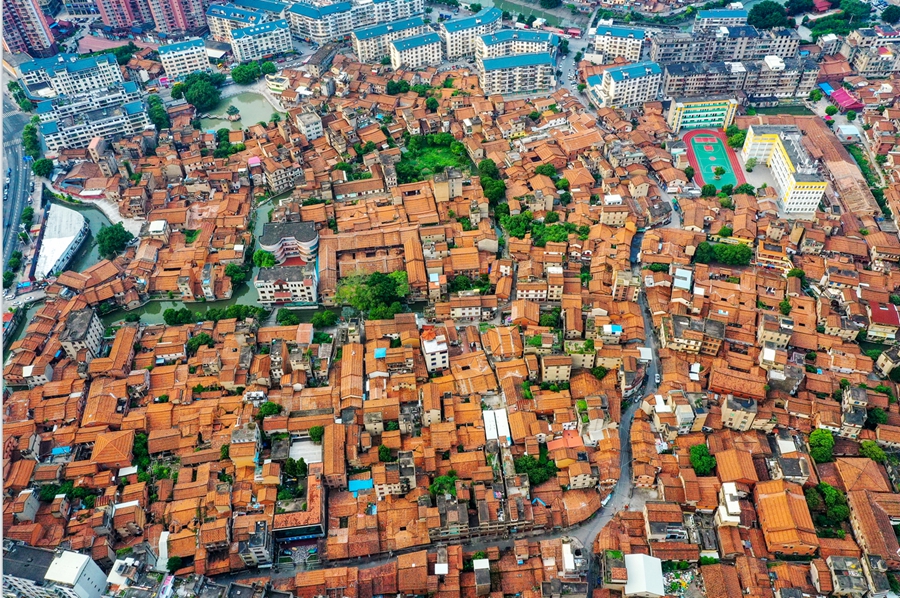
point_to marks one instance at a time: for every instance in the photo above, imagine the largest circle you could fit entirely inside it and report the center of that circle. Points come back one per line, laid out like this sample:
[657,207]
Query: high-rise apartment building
[459,35]
[321,23]
[371,43]
[509,42]
[183,58]
[518,74]
[25,29]
[629,85]
[177,16]
[416,52]
[626,42]
[67,74]
[260,41]
[225,18]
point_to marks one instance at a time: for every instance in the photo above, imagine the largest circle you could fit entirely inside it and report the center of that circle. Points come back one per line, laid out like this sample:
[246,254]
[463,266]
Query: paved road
[14,201]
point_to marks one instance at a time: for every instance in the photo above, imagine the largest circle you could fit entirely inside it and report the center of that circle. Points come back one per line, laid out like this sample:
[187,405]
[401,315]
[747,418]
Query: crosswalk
[11,143]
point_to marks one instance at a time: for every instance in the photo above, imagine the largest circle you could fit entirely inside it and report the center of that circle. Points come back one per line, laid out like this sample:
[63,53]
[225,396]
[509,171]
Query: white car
[657,379]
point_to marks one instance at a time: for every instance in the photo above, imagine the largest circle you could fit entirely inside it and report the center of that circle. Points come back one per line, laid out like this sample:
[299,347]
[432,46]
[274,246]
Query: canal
[253,108]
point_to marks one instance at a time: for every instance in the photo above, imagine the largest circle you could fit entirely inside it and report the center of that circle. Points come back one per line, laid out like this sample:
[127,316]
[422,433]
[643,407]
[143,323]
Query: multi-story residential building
[259,41]
[692,335]
[83,330]
[517,74]
[321,23]
[436,351]
[183,58]
[876,61]
[119,14]
[509,42]
[714,112]
[290,239]
[710,19]
[41,573]
[310,125]
[257,550]
[724,44]
[884,322]
[69,75]
[416,52]
[177,16]
[762,79]
[371,43]
[626,42]
[459,35]
[25,30]
[796,175]
[225,18]
[738,413]
[628,85]
[287,284]
[74,122]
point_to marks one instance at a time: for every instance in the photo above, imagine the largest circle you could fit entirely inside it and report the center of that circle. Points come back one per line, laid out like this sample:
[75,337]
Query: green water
[253,106]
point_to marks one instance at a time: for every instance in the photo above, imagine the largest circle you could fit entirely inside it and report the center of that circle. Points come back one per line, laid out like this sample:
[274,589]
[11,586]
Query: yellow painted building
[715,112]
[797,179]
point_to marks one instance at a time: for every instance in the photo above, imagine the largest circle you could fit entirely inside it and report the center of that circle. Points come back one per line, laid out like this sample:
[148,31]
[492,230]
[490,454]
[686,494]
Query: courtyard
[707,150]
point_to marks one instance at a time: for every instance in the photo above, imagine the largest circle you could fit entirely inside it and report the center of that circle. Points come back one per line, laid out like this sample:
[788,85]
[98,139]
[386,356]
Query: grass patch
[792,110]
[515,8]
[863,162]
[190,236]
[434,160]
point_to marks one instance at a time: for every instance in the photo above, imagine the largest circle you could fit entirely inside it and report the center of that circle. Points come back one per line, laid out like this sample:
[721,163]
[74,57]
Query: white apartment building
[628,85]
[183,58]
[508,42]
[109,114]
[253,43]
[459,35]
[287,284]
[313,21]
[626,42]
[225,18]
[371,43]
[83,330]
[517,74]
[721,17]
[796,175]
[310,125]
[436,353]
[67,74]
[416,52]
[39,573]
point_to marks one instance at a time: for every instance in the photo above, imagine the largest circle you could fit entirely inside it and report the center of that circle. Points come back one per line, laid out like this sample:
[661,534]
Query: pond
[254,107]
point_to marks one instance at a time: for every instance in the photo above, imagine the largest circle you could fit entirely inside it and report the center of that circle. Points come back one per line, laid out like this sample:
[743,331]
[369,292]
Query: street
[20,177]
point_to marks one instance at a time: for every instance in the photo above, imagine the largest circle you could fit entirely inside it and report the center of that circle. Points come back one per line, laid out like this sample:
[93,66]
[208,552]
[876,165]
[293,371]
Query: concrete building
[40,573]
[799,184]
[310,125]
[436,352]
[258,550]
[371,43]
[111,113]
[760,80]
[183,58]
[709,19]
[287,284]
[83,330]
[715,112]
[174,17]
[67,74]
[25,30]
[119,14]
[612,41]
[416,52]
[320,23]
[628,85]
[727,44]
[509,42]
[65,230]
[225,18]
[459,35]
[260,41]
[517,74]
[289,240]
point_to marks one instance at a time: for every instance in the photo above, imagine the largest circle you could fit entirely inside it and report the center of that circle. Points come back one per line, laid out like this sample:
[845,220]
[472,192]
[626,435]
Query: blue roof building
[417,41]
[484,17]
[520,60]
[634,71]
[366,33]
[258,30]
[181,46]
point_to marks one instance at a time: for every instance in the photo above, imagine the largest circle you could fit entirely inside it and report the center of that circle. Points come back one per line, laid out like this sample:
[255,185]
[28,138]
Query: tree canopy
[767,15]
[244,74]
[42,167]
[113,239]
[538,470]
[821,445]
[200,89]
[377,295]
[702,462]
[891,14]
[263,259]
[730,255]
[157,113]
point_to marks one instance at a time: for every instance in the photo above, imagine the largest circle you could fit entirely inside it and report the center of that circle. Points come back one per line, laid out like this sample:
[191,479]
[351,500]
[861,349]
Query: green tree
[545,169]
[868,448]
[195,342]
[831,110]
[851,115]
[563,45]
[386,61]
[244,74]
[286,317]
[767,15]
[268,409]
[563,184]
[235,273]
[797,273]
[875,417]
[702,462]
[324,319]
[42,167]
[718,171]
[113,239]
[431,104]
[689,173]
[708,190]
[487,168]
[891,14]
[384,454]
[745,188]
[813,499]
[785,307]
[268,68]
[316,433]
[263,259]
[725,231]
[821,445]
[157,113]
[203,95]
[796,7]
[174,564]
[737,140]
[443,484]
[475,7]
[224,451]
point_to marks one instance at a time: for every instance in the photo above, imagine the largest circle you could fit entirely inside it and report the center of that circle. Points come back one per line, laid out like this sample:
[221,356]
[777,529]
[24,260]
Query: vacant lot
[514,8]
[423,163]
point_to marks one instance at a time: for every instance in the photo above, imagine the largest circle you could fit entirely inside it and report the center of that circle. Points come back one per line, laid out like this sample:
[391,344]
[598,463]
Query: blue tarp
[828,89]
[380,353]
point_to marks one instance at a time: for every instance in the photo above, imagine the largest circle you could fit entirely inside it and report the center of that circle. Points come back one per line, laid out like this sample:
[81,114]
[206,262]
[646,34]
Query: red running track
[723,139]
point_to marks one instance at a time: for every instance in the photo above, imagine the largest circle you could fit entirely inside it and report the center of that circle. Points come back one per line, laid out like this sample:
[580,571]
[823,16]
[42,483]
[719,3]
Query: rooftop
[519,60]
[485,16]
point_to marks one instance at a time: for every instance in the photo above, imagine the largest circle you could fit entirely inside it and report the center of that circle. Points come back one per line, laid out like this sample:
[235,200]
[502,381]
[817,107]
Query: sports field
[707,150]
